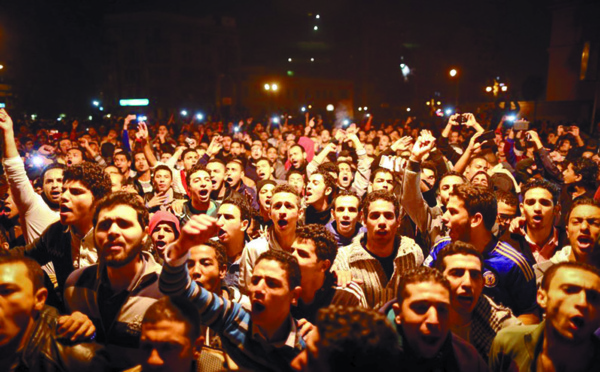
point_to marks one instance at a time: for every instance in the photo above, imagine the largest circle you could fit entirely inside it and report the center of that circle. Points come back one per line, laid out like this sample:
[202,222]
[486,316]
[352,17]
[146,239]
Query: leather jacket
[43,353]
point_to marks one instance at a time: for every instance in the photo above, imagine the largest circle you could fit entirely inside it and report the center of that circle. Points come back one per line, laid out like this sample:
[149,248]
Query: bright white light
[289,60]
[101,108]
[402,65]
[90,117]
[428,103]
[303,109]
[504,88]
[330,107]
[365,108]
[274,87]
[453,72]
[439,103]
[312,59]
[96,103]
[448,112]
[275,120]
[316,28]
[107,116]
[360,109]
[267,87]
[309,106]
[405,70]
[142,118]
[33,117]
[59,118]
[346,122]
[368,115]
[184,112]
[408,109]
[199,116]
[488,89]
[511,118]
[317,16]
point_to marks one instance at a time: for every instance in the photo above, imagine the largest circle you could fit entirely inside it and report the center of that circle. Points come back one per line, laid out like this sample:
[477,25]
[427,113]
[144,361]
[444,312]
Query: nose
[446,217]
[584,225]
[432,319]
[467,281]
[220,221]
[154,359]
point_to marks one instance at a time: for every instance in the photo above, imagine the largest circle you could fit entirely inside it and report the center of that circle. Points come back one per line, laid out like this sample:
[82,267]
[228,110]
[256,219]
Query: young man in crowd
[144,172]
[285,212]
[473,316]
[265,171]
[382,179]
[315,249]
[565,340]
[28,339]
[345,223]
[122,160]
[163,228]
[579,177]
[508,277]
[297,158]
[264,191]
[422,318]
[217,169]
[163,194]
[270,337]
[296,180]
[320,191]
[508,209]
[114,294]
[233,176]
[378,257]
[68,243]
[199,189]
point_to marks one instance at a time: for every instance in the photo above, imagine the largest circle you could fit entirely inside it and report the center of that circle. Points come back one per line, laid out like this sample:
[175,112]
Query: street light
[453,72]
[184,112]
[488,89]
[96,103]
[199,116]
[504,88]
[267,86]
[330,107]
[1,67]
[274,87]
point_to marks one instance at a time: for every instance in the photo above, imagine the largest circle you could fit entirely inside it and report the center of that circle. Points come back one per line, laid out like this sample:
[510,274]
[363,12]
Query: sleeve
[412,198]
[523,291]
[430,260]
[246,267]
[125,141]
[341,261]
[100,160]
[499,360]
[362,176]
[37,250]
[447,150]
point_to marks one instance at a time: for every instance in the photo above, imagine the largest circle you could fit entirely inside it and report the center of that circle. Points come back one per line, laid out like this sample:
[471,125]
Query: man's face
[384,143]
[583,230]
[477,164]
[325,136]
[75,202]
[234,174]
[297,181]
[162,130]
[226,143]
[284,212]
[272,154]
[166,347]
[163,234]
[141,163]
[466,281]
[447,186]
[424,317]
[256,150]
[345,176]
[64,145]
[116,181]
[200,186]
[204,268]
[306,254]
[270,294]
[383,181]
[316,190]
[190,159]
[505,214]
[538,208]
[370,149]
[236,148]
[165,156]
[264,170]
[564,148]
[427,179]
[569,175]
[454,138]
[265,195]
[572,305]
[381,222]
[346,213]
[162,181]
[231,226]
[52,187]
[118,235]
[457,220]
[296,157]
[217,174]
[122,163]
[74,156]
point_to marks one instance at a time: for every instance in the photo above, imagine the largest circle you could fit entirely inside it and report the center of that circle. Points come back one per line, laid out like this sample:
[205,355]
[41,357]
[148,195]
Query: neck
[275,331]
[480,238]
[200,205]
[565,356]
[381,250]
[578,191]
[540,236]
[459,319]
[121,277]
[265,214]
[234,249]
[285,240]
[145,176]
[320,205]
[82,226]
[310,286]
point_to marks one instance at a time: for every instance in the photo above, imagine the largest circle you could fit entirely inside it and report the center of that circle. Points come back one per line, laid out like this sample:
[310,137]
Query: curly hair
[287,262]
[175,309]
[323,239]
[329,181]
[356,339]
[91,177]
[507,198]
[421,274]
[380,195]
[478,200]
[540,183]
[588,170]
[123,198]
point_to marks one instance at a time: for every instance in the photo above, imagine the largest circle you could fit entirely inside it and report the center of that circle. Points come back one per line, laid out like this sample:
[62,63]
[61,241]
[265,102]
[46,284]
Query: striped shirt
[508,278]
[241,339]
[121,337]
[377,287]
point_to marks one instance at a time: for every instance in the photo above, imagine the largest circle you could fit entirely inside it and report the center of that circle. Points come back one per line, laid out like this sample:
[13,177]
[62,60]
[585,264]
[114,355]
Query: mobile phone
[486,136]
[521,125]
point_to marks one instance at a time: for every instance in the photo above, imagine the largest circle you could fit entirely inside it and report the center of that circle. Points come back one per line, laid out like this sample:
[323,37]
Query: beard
[123,258]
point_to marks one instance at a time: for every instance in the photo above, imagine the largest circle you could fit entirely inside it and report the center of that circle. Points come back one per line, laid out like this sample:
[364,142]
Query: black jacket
[43,353]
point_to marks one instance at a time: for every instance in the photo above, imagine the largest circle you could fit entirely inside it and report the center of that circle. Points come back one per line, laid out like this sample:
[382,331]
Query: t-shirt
[508,278]
[386,262]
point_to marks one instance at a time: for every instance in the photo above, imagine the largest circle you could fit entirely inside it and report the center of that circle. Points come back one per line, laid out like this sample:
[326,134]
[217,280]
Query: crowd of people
[304,246]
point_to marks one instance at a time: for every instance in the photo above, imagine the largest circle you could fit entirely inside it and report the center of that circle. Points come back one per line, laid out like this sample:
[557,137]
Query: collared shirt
[545,252]
[87,254]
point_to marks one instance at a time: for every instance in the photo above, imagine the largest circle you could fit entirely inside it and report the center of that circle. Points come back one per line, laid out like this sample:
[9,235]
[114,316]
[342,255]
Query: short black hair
[124,153]
[196,168]
[91,177]
[551,272]
[581,201]
[284,187]
[162,167]
[455,248]
[588,170]
[381,170]
[478,200]
[421,274]
[287,262]
[176,309]
[123,198]
[51,166]
[507,197]
[323,239]
[220,251]
[381,195]
[343,192]
[241,203]
[540,183]
[34,270]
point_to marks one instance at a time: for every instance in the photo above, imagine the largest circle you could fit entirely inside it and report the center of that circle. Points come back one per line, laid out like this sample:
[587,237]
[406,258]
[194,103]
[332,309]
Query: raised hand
[423,146]
[199,229]
[128,119]
[142,132]
[157,200]
[6,122]
[402,144]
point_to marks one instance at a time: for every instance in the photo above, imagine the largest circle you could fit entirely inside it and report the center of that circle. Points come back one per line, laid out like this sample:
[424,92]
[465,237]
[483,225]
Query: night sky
[52,50]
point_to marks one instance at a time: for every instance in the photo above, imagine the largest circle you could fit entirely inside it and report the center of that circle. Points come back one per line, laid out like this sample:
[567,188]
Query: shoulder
[514,258]
[83,277]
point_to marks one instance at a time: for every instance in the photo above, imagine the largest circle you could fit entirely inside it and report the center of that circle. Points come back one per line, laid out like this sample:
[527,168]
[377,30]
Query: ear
[5,246]
[476,220]
[198,344]
[542,298]
[578,177]
[245,224]
[223,272]
[557,209]
[325,265]
[328,191]
[397,312]
[304,155]
[296,292]
[40,299]
[522,208]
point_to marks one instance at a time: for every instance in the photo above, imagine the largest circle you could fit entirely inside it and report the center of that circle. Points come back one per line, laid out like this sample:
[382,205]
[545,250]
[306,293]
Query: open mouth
[203,192]
[345,223]
[381,232]
[577,322]
[585,241]
[64,209]
[55,194]
[282,223]
[345,179]
[229,180]
[160,244]
[465,298]
[537,218]
[258,307]
[214,182]
[221,234]
[69,162]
